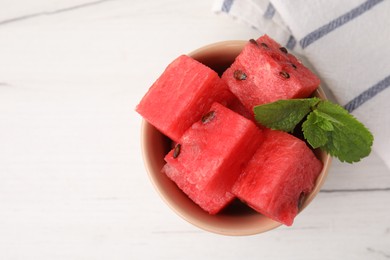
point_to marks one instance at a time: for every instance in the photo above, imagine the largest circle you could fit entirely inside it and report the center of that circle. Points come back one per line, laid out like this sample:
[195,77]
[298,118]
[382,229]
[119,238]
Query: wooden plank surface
[72,181]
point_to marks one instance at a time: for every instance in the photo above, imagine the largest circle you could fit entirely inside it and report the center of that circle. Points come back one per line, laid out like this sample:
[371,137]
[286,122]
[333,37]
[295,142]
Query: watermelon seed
[284,74]
[283,49]
[239,75]
[264,45]
[208,117]
[176,152]
[294,66]
[253,41]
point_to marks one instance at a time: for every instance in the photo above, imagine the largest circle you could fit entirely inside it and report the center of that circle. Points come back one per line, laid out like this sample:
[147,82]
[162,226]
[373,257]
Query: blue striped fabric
[336,23]
[291,42]
[226,5]
[269,12]
[333,25]
[368,94]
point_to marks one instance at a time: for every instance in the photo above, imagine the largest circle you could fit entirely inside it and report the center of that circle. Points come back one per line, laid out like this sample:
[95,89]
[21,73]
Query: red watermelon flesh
[280,173]
[236,105]
[264,72]
[213,153]
[181,95]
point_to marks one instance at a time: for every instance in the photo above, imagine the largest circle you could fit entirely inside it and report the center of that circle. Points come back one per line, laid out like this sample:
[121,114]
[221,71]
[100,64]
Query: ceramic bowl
[237,219]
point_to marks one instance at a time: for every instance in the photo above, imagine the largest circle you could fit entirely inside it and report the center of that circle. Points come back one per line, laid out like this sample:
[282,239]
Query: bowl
[237,219]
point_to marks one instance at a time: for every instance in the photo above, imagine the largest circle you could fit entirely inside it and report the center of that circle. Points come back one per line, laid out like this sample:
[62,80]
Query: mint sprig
[326,125]
[284,114]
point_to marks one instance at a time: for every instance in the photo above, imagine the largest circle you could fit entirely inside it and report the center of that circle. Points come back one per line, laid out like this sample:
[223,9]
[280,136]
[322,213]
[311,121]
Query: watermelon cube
[281,172]
[181,95]
[236,105]
[210,156]
[265,72]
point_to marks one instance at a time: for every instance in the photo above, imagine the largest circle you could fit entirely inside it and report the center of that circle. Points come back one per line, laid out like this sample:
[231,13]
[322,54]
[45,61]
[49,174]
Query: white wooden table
[72,181]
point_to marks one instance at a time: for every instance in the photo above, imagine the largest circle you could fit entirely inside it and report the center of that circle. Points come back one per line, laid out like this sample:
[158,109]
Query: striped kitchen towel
[347,43]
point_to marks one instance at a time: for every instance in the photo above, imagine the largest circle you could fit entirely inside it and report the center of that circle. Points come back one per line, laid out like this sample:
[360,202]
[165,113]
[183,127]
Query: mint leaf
[313,130]
[284,114]
[324,121]
[349,140]
[328,126]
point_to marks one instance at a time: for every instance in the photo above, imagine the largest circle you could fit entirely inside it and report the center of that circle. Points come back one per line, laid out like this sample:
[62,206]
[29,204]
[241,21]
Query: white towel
[347,43]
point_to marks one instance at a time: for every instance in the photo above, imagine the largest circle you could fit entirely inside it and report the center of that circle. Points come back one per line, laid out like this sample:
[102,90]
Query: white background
[72,180]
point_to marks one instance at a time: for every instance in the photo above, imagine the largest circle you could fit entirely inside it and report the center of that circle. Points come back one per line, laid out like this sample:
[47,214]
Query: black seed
[294,66]
[239,75]
[264,45]
[253,41]
[176,151]
[284,74]
[301,200]
[283,49]
[208,117]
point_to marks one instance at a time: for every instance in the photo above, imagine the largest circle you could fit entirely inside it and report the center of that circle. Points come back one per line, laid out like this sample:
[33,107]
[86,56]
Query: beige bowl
[237,219]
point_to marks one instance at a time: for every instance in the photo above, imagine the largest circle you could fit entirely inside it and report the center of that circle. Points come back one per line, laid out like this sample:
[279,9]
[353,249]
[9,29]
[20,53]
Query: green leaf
[328,126]
[284,114]
[313,131]
[347,138]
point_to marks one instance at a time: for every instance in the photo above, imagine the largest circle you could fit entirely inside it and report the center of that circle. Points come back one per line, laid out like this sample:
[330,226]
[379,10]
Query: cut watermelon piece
[210,156]
[236,105]
[282,171]
[181,95]
[265,72]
